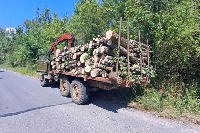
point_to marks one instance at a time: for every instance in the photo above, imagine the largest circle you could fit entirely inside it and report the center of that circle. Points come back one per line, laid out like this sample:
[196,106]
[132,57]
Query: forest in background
[172,28]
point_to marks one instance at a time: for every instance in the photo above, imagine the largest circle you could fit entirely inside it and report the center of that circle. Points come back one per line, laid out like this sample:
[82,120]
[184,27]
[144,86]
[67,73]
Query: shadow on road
[106,101]
[28,110]
[109,106]
[2,71]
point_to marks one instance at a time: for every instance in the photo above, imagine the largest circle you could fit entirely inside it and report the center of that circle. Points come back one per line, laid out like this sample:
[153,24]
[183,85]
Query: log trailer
[75,75]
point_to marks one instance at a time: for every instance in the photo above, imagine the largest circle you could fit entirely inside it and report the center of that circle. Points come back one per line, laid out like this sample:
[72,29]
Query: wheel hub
[76,92]
[64,85]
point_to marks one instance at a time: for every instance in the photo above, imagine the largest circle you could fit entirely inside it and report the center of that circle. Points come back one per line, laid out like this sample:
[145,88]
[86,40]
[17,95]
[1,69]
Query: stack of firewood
[98,58]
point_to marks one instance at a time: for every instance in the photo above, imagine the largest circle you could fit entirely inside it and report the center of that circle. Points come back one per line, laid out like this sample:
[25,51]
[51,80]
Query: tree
[88,21]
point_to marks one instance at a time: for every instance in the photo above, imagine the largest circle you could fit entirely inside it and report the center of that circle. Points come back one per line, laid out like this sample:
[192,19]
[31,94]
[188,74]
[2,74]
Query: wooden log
[96,44]
[107,59]
[123,51]
[63,53]
[103,40]
[97,51]
[111,44]
[78,70]
[136,43]
[95,72]
[91,44]
[57,59]
[88,62]
[58,51]
[77,55]
[104,74]
[73,70]
[83,57]
[144,58]
[68,66]
[83,71]
[84,47]
[63,59]
[74,49]
[54,67]
[63,65]
[133,50]
[72,62]
[79,64]
[65,48]
[133,54]
[104,67]
[96,59]
[144,54]
[134,67]
[88,69]
[53,63]
[106,50]
[114,38]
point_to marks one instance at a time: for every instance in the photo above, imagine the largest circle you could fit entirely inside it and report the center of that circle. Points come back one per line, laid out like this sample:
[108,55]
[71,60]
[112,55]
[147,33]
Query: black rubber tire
[79,92]
[43,81]
[65,86]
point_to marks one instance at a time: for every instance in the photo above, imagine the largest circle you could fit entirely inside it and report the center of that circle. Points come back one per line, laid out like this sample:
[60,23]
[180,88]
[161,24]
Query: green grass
[172,99]
[22,70]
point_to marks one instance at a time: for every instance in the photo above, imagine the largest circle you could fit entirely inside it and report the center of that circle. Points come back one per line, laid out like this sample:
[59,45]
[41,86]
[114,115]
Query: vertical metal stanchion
[119,41]
[128,46]
[140,55]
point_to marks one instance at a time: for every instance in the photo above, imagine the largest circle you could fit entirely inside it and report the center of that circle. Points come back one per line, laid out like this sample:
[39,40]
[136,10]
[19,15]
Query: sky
[14,12]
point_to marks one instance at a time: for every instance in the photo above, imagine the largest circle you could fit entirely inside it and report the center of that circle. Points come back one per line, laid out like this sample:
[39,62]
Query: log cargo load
[98,58]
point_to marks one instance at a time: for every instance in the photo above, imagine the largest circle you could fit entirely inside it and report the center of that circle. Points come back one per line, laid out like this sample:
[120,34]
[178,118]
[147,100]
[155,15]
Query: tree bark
[77,55]
[96,59]
[83,57]
[104,67]
[88,69]
[84,48]
[88,62]
[95,72]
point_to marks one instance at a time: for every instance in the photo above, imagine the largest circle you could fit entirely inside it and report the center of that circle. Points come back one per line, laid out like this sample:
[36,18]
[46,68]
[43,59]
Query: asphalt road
[26,107]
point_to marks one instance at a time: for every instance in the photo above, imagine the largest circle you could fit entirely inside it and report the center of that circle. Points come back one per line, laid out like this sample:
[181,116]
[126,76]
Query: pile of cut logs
[98,57]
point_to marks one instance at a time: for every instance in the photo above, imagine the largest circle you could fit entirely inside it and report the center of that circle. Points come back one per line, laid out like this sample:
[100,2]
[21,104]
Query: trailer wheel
[43,81]
[65,86]
[79,92]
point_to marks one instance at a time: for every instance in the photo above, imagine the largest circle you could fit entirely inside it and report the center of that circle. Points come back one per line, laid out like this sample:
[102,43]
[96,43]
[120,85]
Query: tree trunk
[104,74]
[88,69]
[104,67]
[84,48]
[88,62]
[95,72]
[79,64]
[114,38]
[53,63]
[107,59]
[83,57]
[77,55]
[96,59]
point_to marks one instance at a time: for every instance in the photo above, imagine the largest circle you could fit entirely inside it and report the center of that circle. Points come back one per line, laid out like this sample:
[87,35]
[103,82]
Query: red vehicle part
[66,37]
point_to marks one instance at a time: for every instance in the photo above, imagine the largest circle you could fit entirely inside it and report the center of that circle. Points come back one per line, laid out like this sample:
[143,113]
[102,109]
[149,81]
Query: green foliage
[177,98]
[88,21]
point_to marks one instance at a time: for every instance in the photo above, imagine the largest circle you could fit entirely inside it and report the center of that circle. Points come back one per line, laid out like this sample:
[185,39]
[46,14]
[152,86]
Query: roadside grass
[171,98]
[28,71]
